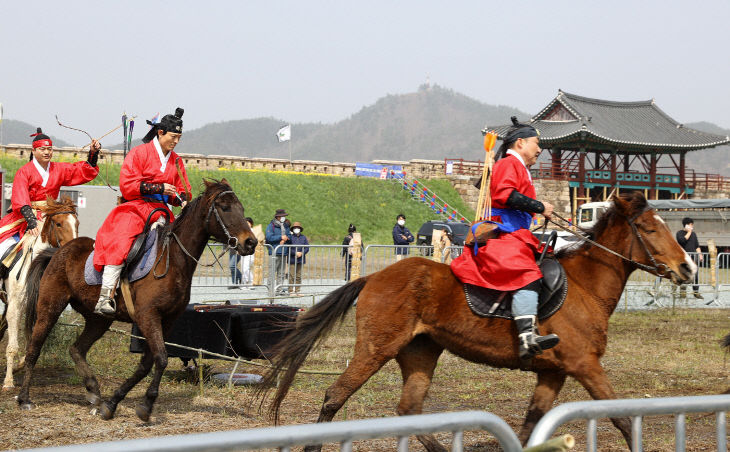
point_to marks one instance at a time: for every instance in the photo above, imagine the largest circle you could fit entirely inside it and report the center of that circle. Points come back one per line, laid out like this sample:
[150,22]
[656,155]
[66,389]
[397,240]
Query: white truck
[711,216]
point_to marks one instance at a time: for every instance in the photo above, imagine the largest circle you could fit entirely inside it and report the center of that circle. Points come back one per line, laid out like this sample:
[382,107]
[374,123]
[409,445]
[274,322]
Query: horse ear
[207,183]
[622,205]
[224,181]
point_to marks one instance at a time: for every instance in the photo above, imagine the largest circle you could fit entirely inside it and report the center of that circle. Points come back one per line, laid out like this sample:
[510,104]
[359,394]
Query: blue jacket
[301,240]
[273,237]
[399,230]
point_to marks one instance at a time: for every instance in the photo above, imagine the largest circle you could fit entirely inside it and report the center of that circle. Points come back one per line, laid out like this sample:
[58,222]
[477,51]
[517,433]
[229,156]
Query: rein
[660,269]
[231,243]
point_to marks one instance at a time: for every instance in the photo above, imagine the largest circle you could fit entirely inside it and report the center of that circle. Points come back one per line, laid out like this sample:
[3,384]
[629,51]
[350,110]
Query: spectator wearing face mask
[402,237]
[278,233]
[297,257]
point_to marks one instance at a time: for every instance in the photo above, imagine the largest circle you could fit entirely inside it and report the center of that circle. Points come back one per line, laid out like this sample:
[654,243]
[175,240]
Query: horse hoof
[106,411]
[8,387]
[92,398]
[94,411]
[27,406]
[142,413]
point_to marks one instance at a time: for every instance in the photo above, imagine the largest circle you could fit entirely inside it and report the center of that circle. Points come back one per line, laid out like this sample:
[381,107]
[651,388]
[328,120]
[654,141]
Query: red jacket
[508,262]
[126,221]
[27,187]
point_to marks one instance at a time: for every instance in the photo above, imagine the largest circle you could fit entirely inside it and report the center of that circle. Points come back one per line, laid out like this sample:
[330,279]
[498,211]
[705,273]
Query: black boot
[531,343]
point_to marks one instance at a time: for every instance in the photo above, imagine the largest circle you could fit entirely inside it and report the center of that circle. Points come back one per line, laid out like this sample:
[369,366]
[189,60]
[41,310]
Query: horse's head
[225,219]
[60,223]
[652,244]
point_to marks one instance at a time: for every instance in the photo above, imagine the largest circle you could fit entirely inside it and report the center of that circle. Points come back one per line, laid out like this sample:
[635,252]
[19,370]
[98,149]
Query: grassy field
[325,205]
[650,354]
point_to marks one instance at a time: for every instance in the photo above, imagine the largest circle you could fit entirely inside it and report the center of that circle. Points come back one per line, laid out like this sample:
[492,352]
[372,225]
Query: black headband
[517,131]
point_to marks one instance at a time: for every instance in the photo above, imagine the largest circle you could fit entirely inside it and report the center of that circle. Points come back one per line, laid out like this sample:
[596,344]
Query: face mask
[297,230]
[401,222]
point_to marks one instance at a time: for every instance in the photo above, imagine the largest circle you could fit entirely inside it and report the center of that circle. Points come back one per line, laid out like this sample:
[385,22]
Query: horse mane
[636,203]
[53,207]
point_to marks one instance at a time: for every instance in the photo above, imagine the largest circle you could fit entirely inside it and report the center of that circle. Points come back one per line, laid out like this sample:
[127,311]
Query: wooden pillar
[627,164]
[613,168]
[682,170]
[356,244]
[653,192]
[556,164]
[581,173]
[258,255]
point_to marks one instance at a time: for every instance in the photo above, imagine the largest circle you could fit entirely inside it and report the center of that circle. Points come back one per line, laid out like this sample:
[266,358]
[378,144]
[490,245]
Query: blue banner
[379,171]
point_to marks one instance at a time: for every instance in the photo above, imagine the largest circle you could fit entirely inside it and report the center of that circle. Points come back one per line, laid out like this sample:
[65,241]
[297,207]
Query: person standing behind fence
[688,240]
[297,256]
[247,263]
[402,237]
[278,233]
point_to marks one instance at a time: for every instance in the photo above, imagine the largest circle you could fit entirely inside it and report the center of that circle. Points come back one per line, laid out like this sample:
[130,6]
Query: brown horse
[416,308]
[59,226]
[159,298]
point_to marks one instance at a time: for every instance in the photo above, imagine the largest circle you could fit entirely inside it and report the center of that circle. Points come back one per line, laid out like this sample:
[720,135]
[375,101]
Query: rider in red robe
[152,175]
[36,180]
[507,263]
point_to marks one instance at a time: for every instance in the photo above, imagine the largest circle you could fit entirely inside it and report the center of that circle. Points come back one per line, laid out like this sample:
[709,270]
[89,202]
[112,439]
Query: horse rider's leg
[524,310]
[153,332]
[94,328]
[109,279]
[594,379]
[549,384]
[13,316]
[108,408]
[417,362]
[48,310]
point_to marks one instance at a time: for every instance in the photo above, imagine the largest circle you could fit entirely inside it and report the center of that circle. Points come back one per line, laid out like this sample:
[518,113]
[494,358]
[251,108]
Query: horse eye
[58,225]
[226,208]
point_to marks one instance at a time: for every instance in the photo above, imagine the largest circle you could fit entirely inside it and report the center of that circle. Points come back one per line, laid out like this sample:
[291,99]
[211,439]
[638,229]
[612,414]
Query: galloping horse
[59,226]
[416,308]
[158,298]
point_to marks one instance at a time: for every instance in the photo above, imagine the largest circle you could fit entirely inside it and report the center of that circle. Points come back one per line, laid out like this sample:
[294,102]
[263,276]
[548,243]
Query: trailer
[711,217]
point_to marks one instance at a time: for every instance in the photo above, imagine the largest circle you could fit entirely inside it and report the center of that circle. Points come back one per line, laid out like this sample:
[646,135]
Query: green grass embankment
[325,205]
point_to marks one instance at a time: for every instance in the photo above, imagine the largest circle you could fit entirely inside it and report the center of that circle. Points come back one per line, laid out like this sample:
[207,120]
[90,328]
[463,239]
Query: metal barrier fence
[323,265]
[591,411]
[214,271]
[377,257]
[332,432]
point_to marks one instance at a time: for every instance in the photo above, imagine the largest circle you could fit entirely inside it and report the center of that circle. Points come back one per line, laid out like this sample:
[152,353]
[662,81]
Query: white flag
[1,112]
[284,134]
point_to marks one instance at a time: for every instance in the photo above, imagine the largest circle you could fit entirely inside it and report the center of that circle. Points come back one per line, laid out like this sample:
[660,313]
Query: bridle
[231,241]
[660,269]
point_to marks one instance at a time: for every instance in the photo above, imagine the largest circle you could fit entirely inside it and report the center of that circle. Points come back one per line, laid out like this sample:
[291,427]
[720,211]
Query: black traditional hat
[168,123]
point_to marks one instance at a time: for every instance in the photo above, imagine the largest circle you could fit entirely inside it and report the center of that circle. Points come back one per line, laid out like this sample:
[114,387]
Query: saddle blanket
[486,302]
[139,271]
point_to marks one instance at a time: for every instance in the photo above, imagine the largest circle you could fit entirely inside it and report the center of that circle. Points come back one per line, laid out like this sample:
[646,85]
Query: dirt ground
[650,354]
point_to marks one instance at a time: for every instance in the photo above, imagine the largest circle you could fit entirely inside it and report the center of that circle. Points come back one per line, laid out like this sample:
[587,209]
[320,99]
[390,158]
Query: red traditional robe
[28,187]
[507,262]
[126,221]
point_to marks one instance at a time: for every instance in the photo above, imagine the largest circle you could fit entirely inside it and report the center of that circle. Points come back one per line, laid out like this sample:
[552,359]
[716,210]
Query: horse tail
[32,287]
[310,329]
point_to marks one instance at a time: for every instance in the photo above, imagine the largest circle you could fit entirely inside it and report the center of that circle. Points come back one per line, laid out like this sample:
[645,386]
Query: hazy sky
[88,61]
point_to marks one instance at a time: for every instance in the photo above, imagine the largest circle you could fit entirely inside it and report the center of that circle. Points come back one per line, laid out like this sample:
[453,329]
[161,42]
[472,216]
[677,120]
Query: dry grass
[650,354]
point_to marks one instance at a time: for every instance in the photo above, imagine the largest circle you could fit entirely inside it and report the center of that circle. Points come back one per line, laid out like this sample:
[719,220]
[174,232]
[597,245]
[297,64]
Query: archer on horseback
[32,184]
[152,176]
[507,262]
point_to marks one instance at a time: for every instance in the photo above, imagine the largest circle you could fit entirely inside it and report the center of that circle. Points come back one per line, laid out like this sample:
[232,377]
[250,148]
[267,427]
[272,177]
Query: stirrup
[532,344]
[106,305]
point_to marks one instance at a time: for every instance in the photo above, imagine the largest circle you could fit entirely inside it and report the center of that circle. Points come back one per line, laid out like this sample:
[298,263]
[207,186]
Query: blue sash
[157,197]
[512,220]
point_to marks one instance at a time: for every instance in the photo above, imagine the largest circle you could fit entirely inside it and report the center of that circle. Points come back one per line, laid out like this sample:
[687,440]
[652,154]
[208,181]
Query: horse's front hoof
[92,398]
[106,411]
[27,406]
[143,413]
[94,411]
[8,386]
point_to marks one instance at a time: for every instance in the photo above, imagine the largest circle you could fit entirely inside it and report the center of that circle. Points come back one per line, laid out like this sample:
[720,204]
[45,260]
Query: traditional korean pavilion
[607,145]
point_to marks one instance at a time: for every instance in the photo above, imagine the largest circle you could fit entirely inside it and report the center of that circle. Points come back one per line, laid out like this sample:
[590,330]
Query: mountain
[710,161]
[18,132]
[432,123]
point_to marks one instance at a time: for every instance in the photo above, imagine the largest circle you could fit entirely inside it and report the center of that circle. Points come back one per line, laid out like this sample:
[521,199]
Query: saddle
[486,302]
[5,271]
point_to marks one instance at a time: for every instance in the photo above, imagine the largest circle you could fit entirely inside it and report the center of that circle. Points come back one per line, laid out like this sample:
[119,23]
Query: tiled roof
[639,126]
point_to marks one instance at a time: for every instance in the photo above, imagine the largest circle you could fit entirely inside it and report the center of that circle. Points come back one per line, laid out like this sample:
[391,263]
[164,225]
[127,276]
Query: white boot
[106,305]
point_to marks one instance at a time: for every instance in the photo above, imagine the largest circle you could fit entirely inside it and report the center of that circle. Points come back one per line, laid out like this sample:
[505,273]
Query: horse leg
[47,314]
[12,315]
[549,384]
[108,408]
[417,362]
[94,328]
[363,366]
[596,382]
